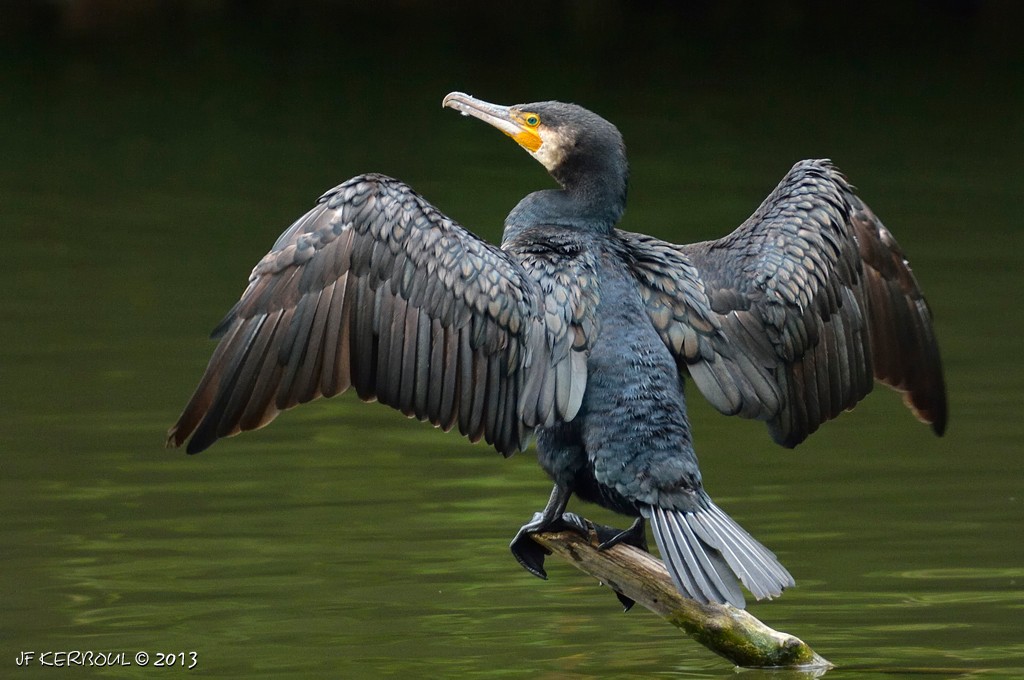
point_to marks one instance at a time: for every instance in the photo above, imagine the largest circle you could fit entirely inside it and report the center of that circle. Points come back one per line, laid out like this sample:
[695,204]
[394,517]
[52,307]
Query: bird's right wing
[375,288]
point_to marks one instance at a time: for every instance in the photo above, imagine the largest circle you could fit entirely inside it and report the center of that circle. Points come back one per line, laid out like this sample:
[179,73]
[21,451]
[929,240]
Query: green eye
[532,120]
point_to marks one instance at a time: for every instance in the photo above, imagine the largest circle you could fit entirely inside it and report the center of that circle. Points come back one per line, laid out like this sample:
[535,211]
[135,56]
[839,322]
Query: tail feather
[704,568]
[706,552]
[775,577]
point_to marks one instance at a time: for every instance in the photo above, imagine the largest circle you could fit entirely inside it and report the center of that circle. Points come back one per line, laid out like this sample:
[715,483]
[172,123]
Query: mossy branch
[729,632]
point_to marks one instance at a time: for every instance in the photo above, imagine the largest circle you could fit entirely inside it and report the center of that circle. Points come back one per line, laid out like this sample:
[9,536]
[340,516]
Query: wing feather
[788,318]
[261,396]
[375,289]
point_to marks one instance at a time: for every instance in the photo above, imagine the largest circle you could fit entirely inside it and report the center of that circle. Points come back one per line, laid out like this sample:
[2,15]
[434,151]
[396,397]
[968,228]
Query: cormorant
[582,334]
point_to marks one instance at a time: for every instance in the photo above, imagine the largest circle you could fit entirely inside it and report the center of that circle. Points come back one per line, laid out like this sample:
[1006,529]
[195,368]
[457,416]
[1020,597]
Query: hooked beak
[505,118]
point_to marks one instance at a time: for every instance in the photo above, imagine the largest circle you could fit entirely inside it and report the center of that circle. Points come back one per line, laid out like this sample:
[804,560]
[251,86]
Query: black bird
[582,334]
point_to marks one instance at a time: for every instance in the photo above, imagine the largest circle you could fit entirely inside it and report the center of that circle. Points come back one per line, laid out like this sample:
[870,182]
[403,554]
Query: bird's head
[581,150]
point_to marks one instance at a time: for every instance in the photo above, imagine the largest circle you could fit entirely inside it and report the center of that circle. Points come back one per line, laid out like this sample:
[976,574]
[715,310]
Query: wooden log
[729,632]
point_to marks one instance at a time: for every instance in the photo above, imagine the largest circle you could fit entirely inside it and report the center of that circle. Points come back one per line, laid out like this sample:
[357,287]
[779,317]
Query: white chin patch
[552,149]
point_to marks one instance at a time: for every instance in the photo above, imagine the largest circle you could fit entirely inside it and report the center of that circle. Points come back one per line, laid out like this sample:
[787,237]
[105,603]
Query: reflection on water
[346,541]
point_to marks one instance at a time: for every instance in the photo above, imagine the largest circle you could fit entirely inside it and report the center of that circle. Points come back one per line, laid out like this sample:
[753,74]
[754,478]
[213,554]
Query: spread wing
[788,318]
[376,289]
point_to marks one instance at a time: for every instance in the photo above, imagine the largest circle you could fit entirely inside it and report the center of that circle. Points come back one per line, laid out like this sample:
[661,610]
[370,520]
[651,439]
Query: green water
[136,192]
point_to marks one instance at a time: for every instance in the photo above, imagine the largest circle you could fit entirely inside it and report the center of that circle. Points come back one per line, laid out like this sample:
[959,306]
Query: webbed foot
[529,553]
[635,535]
[625,600]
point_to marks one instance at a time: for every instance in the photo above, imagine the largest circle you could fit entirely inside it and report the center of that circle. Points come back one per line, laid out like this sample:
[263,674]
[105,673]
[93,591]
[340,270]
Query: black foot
[529,553]
[625,600]
[635,535]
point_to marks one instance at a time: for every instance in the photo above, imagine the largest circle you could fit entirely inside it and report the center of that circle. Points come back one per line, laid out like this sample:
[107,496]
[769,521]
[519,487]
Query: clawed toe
[570,521]
[635,535]
[529,553]
[626,601]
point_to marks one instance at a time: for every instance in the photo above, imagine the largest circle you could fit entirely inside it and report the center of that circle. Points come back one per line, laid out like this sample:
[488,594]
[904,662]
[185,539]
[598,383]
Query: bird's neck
[594,204]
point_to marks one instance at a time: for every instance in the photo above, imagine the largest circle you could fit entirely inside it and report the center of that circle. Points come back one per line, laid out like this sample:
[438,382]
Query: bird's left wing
[376,289]
[788,318]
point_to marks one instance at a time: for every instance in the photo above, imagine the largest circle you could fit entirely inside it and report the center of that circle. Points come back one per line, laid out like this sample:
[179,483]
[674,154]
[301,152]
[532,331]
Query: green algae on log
[729,632]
